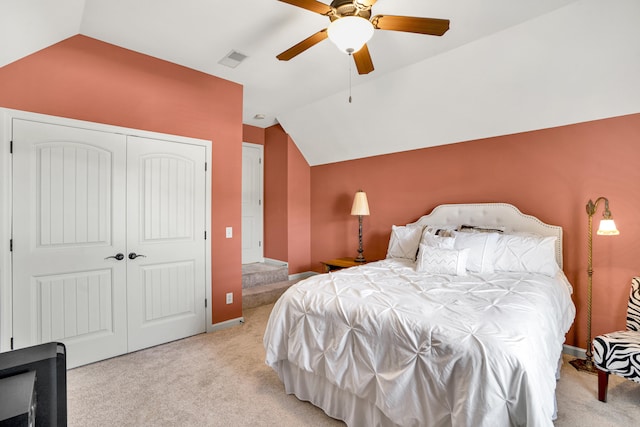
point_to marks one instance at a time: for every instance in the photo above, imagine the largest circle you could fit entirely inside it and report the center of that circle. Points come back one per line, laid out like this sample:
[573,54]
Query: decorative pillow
[442,261]
[404,242]
[440,230]
[481,229]
[437,241]
[526,253]
[482,250]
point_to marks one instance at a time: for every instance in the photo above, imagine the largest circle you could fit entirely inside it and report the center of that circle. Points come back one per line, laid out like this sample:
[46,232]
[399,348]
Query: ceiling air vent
[233,59]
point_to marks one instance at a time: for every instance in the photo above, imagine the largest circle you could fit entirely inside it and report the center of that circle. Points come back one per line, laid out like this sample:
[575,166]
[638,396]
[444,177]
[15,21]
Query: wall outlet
[229,297]
[229,232]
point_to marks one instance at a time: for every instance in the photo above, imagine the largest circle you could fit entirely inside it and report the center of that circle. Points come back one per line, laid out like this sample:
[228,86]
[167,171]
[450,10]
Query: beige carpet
[220,379]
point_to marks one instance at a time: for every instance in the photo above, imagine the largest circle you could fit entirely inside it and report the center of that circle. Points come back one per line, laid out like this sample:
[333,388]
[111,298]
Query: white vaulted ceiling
[504,66]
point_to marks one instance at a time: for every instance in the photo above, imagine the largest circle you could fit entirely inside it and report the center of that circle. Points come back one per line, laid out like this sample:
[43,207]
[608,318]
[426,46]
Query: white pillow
[442,261]
[526,253]
[404,242]
[436,241]
[482,250]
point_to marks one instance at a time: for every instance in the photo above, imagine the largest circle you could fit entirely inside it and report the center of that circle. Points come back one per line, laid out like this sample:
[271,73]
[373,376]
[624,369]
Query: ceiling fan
[352,18]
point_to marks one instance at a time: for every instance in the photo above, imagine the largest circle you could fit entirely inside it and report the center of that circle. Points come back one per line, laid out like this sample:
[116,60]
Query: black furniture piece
[35,381]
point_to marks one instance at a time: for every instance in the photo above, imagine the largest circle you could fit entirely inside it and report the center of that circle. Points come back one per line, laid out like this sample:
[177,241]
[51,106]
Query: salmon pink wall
[549,173]
[253,134]
[275,194]
[85,79]
[299,208]
[287,203]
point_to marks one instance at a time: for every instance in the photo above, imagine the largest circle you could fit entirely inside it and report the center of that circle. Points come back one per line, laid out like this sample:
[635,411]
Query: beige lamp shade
[360,204]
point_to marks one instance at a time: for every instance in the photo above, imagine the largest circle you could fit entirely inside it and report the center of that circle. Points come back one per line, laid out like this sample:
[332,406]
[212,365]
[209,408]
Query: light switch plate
[229,297]
[229,232]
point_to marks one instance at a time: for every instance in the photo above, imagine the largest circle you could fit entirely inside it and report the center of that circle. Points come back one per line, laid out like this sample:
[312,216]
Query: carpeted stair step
[264,294]
[260,273]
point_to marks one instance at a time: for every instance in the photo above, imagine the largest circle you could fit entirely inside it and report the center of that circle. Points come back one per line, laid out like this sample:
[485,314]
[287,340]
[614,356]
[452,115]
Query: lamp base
[584,366]
[360,258]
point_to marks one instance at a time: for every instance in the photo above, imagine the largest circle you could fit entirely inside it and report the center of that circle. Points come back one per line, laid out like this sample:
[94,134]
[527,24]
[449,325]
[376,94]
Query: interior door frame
[6,206]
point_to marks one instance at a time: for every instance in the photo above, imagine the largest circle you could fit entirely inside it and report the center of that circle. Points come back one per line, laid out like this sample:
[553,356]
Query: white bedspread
[480,350]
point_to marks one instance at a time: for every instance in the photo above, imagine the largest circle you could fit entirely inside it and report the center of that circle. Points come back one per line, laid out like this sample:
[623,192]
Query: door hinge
[259,243]
[10,245]
[10,147]
[205,166]
[260,161]
[205,303]
[259,202]
[11,343]
[205,235]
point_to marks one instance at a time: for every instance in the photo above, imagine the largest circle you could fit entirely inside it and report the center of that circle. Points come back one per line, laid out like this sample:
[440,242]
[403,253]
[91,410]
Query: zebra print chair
[619,352]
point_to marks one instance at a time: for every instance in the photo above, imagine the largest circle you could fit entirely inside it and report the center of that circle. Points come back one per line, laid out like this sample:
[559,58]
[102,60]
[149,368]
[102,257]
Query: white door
[84,203]
[165,241]
[68,218]
[252,211]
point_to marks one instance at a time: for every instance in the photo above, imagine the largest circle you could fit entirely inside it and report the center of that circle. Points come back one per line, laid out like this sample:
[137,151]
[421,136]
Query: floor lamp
[607,228]
[360,207]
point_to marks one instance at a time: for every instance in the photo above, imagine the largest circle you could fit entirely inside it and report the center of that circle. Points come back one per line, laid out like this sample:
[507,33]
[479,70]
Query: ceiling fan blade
[303,45]
[312,5]
[364,64]
[411,24]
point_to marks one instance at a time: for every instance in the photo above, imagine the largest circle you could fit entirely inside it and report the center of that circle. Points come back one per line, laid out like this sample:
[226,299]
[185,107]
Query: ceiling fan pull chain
[350,77]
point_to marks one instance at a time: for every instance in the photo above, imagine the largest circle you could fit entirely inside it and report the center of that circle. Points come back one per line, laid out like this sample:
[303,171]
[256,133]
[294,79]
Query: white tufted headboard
[494,215]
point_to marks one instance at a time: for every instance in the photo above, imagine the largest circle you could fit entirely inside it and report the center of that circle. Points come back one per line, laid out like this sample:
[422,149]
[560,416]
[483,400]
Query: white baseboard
[303,275]
[226,324]
[574,351]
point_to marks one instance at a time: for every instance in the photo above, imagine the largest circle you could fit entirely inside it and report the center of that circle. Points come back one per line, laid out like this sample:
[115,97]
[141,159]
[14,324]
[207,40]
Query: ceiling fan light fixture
[350,33]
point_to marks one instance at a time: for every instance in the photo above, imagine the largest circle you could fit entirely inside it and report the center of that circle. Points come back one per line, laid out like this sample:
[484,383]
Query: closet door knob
[134,255]
[117,256]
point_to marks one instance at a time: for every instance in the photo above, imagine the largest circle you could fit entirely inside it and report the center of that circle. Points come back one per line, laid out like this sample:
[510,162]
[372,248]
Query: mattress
[420,349]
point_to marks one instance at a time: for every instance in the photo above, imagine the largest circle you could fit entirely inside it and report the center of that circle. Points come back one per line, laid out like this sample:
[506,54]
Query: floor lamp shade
[360,208]
[608,228]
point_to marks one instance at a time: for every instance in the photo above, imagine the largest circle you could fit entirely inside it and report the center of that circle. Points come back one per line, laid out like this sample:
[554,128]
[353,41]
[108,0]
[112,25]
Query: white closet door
[166,226]
[252,212]
[69,216]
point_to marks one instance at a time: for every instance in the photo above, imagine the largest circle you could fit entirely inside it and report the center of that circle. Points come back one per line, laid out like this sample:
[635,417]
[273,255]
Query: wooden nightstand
[339,264]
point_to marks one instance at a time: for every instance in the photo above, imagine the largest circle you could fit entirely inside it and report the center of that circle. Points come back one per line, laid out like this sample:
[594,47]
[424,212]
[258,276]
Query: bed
[461,325]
